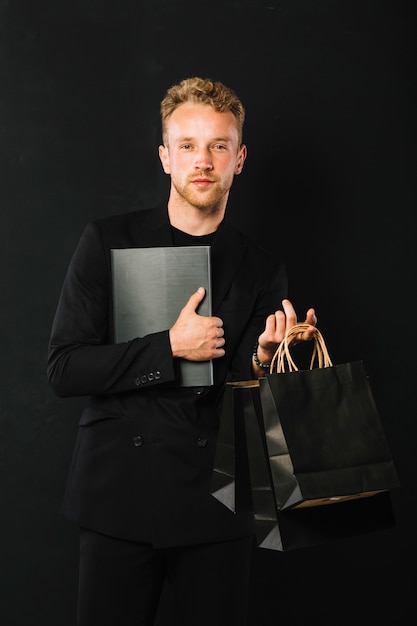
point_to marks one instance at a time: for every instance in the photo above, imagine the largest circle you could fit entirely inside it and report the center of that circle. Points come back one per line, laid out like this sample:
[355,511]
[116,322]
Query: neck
[195,220]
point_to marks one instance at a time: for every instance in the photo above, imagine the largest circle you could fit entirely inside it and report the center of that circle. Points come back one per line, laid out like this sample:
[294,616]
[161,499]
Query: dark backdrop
[329,184]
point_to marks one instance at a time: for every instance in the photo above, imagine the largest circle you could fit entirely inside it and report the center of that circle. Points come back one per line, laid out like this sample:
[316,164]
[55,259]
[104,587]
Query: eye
[219,146]
[186,146]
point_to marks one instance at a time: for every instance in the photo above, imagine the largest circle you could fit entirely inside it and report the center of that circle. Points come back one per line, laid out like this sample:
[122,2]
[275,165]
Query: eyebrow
[215,139]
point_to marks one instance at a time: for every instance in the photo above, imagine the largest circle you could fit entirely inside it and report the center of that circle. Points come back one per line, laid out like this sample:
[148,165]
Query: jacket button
[202,442]
[137,382]
[198,390]
[144,379]
[138,441]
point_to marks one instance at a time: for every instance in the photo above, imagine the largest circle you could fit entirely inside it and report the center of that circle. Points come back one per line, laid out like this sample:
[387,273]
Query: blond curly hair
[204,91]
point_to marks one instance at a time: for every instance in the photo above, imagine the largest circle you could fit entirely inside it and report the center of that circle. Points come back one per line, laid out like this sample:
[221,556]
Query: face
[202,155]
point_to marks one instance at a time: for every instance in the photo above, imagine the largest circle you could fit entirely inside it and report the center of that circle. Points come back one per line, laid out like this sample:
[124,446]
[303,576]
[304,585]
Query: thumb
[195,299]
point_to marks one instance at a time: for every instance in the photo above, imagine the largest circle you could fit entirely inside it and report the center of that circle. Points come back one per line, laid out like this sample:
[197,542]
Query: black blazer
[143,458]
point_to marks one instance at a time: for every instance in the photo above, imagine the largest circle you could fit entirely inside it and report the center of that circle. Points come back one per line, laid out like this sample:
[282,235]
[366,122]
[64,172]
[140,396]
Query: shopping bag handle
[282,360]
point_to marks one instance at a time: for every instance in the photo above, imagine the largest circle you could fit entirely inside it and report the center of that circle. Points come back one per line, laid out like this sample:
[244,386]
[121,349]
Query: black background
[329,184]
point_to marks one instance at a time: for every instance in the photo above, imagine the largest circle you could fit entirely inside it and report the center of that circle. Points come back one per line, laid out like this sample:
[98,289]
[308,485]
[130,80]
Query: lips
[202,182]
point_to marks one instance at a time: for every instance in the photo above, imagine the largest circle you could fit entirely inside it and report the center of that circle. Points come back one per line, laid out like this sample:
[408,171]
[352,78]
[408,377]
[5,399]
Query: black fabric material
[121,582]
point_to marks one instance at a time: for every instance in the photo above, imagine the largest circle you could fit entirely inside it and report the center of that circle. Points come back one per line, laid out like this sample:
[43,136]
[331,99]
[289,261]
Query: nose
[203,160]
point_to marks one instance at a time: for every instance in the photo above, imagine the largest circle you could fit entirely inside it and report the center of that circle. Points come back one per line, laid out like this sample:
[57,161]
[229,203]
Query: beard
[206,198]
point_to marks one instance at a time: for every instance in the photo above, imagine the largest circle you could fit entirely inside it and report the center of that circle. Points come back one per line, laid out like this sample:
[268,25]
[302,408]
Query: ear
[241,158]
[164,156]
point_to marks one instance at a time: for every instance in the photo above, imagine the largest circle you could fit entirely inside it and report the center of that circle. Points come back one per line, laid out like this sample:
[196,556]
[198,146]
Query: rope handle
[282,360]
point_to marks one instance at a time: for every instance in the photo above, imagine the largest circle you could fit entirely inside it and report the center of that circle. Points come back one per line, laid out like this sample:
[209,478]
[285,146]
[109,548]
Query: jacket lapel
[155,228]
[228,252]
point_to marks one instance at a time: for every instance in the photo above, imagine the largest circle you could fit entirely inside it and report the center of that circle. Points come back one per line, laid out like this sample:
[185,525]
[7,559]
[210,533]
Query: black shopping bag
[296,528]
[245,475]
[323,433]
[230,482]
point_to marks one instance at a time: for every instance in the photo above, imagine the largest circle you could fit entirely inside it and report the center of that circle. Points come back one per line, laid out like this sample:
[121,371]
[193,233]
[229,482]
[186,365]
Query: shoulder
[122,221]
[127,229]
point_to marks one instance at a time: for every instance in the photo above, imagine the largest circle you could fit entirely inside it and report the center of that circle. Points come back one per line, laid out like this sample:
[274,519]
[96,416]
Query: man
[139,484]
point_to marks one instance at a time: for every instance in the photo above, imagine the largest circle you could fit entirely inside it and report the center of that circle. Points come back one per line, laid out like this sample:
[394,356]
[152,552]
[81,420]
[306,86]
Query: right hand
[197,337]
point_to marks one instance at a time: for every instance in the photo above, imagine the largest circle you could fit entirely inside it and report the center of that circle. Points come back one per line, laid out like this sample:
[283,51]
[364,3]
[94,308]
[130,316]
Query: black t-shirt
[184,239]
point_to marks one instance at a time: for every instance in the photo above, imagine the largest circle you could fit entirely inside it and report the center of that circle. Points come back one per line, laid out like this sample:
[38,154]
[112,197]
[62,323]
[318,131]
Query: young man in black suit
[139,484]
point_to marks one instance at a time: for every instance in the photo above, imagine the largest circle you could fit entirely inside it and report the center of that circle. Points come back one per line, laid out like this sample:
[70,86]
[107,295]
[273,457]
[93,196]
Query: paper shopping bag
[242,478]
[323,432]
[296,528]
[230,479]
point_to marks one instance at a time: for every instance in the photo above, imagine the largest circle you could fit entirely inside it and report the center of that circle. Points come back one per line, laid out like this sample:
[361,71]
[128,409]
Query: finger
[274,331]
[290,313]
[311,317]
[305,335]
[309,333]
[195,299]
[220,343]
[274,323]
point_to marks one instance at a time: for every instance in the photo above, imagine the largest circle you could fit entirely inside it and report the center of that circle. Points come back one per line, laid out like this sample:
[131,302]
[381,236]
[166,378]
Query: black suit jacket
[143,458]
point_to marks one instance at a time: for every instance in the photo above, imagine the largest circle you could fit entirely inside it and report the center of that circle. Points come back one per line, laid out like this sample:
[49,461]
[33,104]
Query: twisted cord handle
[282,360]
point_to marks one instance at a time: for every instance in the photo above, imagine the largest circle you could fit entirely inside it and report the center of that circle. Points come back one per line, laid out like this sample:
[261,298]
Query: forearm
[79,369]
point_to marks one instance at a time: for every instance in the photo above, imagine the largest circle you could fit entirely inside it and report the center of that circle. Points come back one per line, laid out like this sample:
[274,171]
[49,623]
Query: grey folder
[151,286]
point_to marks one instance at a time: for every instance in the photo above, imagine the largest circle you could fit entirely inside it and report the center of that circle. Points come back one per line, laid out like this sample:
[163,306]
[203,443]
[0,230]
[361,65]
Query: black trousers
[120,582]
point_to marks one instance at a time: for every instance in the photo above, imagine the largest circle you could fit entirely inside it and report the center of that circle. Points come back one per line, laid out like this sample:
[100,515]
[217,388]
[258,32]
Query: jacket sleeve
[272,290]
[82,357]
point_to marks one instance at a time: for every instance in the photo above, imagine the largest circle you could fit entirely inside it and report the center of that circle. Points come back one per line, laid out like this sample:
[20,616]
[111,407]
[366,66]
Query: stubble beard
[204,199]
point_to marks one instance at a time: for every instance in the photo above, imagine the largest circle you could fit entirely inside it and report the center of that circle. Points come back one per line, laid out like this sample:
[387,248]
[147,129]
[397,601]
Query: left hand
[277,325]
